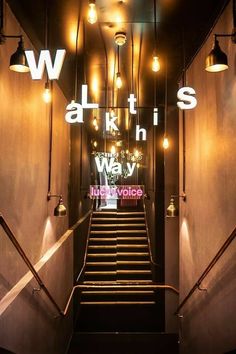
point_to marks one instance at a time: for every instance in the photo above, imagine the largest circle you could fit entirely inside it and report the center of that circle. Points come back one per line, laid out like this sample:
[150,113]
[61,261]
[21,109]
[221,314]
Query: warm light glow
[136,153]
[166,143]
[92,13]
[95,122]
[118,80]
[47,97]
[127,151]
[138,165]
[217,68]
[113,150]
[96,128]
[19,68]
[95,143]
[113,113]
[155,64]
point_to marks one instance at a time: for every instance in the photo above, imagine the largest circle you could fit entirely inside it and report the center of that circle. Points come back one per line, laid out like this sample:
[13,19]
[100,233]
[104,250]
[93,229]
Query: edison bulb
[95,144]
[95,122]
[155,64]
[113,150]
[118,81]
[166,143]
[47,97]
[92,13]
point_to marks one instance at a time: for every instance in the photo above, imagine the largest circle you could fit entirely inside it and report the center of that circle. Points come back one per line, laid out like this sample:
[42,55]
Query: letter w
[53,70]
[104,163]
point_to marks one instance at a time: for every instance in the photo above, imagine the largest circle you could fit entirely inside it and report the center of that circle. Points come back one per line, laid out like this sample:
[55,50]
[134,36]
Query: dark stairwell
[121,308]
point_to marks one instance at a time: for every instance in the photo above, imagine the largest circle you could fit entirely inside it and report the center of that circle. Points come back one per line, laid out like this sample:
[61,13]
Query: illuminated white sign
[53,70]
[131,101]
[155,116]
[110,123]
[109,165]
[117,192]
[186,100]
[75,110]
[141,131]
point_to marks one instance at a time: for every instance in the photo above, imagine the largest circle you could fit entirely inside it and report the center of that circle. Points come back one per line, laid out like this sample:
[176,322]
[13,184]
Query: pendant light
[47,96]
[155,59]
[216,60]
[118,76]
[92,12]
[165,143]
[18,60]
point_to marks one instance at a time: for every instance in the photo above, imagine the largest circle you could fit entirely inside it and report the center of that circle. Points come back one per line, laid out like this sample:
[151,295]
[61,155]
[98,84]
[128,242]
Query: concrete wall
[28,325]
[208,216]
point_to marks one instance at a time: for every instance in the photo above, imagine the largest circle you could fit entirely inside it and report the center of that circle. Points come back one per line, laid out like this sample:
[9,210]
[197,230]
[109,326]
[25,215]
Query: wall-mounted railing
[21,252]
[197,285]
[148,237]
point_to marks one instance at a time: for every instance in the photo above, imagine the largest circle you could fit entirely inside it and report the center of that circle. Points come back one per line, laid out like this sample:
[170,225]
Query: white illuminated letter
[45,59]
[84,102]
[141,131]
[104,164]
[110,122]
[184,94]
[75,113]
[131,168]
[131,101]
[155,116]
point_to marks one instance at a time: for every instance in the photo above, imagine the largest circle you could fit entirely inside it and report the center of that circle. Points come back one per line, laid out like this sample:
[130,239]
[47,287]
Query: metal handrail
[148,237]
[87,242]
[21,252]
[197,285]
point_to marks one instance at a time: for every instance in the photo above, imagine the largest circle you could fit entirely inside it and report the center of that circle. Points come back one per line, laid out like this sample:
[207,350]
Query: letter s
[183,94]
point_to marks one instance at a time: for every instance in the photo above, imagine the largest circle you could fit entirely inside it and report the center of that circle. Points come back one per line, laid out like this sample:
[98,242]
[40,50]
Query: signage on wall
[116,192]
[74,110]
[110,165]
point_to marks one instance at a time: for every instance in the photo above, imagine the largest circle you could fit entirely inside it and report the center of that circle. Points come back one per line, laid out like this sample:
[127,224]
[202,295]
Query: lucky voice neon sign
[74,110]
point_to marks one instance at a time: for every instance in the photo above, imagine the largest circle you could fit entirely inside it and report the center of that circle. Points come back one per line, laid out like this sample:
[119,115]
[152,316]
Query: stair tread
[117,292]
[94,232]
[120,282]
[117,263]
[120,219]
[117,225]
[117,302]
[119,212]
[122,238]
[119,271]
[118,246]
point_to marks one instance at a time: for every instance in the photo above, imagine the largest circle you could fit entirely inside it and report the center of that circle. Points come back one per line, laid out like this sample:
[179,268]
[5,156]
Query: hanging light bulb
[127,151]
[113,150]
[96,128]
[95,122]
[165,143]
[136,153]
[118,80]
[155,63]
[47,97]
[95,143]
[92,12]
[138,165]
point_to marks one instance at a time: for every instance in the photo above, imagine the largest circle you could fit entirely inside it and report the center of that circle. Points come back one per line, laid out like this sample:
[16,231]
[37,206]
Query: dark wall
[208,216]
[28,325]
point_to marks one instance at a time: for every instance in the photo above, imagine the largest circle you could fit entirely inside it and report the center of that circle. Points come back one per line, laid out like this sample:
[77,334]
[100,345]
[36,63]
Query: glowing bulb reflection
[118,80]
[47,97]
[166,143]
[155,64]
[92,13]
[113,150]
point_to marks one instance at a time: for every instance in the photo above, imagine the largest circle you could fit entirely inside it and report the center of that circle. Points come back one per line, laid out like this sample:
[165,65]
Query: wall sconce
[92,12]
[18,61]
[216,60]
[60,209]
[172,210]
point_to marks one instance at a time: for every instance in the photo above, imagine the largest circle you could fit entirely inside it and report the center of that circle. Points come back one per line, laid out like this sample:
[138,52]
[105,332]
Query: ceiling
[182,26]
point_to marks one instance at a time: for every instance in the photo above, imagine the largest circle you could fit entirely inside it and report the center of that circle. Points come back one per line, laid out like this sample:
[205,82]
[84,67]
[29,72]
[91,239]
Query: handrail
[21,252]
[87,242]
[148,237]
[208,269]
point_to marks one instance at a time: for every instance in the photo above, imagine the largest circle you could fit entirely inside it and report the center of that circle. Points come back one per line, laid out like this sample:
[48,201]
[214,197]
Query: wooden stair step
[117,292]
[96,232]
[118,225]
[119,219]
[117,302]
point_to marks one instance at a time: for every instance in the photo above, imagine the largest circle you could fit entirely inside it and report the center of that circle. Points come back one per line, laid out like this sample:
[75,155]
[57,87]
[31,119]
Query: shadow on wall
[5,351]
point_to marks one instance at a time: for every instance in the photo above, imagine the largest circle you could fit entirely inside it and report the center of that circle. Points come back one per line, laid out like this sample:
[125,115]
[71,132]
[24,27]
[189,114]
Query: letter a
[75,113]
[45,59]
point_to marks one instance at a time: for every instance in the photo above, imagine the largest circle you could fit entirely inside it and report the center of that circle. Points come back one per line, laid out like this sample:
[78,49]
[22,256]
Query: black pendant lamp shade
[60,209]
[216,60]
[18,61]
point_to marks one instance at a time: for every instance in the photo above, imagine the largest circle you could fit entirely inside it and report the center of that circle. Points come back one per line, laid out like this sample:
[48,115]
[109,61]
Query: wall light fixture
[18,61]
[172,210]
[60,209]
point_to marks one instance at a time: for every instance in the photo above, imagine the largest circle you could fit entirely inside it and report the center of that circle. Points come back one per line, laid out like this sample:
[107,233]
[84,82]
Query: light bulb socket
[120,38]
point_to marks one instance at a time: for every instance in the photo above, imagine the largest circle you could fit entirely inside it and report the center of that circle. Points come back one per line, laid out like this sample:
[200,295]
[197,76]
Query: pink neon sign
[117,192]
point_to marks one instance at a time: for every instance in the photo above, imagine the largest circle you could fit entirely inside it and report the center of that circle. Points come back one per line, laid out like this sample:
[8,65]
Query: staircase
[118,296]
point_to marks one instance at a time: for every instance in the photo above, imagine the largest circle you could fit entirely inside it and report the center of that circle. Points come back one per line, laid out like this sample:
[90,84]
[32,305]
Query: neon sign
[117,192]
[110,165]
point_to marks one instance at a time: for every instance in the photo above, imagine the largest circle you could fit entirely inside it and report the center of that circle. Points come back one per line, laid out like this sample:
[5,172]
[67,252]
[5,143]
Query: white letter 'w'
[53,70]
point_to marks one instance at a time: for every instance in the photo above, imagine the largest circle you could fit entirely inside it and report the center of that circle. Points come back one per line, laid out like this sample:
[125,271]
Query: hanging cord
[166,99]
[76,53]
[183,114]
[155,23]
[139,65]
[84,51]
[106,65]
[132,60]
